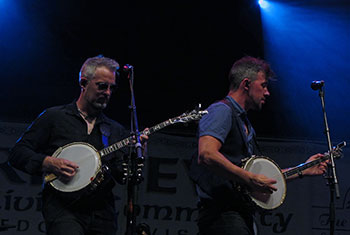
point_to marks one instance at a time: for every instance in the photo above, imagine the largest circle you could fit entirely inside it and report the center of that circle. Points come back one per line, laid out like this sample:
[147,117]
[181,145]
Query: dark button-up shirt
[54,128]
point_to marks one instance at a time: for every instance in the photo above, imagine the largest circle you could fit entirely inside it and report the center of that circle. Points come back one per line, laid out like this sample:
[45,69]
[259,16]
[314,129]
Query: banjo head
[88,160]
[267,167]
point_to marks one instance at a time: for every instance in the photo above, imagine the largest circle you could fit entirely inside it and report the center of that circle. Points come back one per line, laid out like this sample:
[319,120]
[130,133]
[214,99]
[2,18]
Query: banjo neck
[301,167]
[186,117]
[114,147]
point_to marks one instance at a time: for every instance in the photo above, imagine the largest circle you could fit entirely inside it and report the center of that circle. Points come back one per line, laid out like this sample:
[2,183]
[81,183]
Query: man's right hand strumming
[262,184]
[62,168]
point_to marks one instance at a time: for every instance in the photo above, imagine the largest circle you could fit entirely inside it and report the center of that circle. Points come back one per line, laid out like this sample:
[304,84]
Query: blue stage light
[263,3]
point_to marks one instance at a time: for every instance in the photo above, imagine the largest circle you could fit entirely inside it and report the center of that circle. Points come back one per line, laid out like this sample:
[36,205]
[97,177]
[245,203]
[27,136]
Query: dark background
[181,52]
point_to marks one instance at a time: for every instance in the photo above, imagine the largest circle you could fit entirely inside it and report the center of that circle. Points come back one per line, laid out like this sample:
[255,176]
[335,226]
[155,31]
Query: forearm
[210,156]
[221,166]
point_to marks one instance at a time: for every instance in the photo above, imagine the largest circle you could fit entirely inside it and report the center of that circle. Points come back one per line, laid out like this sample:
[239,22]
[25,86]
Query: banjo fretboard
[298,169]
[186,117]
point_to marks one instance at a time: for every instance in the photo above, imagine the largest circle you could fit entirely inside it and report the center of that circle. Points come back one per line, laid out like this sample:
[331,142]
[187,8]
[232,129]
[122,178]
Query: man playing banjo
[87,211]
[225,138]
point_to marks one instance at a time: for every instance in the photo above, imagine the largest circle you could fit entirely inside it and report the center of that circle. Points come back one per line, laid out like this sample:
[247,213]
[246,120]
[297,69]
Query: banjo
[91,170]
[266,166]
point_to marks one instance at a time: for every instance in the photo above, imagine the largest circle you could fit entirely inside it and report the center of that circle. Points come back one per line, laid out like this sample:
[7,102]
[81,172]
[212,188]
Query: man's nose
[267,93]
[108,91]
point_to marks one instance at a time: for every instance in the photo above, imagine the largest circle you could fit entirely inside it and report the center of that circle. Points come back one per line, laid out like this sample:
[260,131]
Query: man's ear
[246,83]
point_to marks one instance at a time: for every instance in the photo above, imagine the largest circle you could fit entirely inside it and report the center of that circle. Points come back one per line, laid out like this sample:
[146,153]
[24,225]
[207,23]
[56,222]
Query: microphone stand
[136,160]
[331,172]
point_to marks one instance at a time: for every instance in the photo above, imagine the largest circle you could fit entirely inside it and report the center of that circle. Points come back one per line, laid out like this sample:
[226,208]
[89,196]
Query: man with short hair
[225,138]
[87,211]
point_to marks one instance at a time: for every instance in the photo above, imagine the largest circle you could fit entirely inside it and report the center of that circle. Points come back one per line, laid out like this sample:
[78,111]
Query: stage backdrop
[166,199]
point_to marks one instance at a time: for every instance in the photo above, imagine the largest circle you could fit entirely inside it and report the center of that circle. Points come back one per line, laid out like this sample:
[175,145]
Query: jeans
[82,224]
[80,216]
[214,220]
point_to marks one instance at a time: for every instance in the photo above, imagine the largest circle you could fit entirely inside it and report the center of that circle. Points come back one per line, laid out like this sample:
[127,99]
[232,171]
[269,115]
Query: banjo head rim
[59,150]
[92,177]
[248,163]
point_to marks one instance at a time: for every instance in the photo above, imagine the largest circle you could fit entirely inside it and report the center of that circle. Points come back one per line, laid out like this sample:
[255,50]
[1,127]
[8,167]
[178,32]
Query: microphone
[127,68]
[316,85]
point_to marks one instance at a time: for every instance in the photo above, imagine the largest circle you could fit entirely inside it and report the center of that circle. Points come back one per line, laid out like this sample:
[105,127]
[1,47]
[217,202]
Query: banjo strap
[106,132]
[257,147]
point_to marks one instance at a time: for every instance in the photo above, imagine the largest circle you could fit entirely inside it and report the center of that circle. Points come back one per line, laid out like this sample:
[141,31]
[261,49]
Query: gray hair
[248,67]
[91,64]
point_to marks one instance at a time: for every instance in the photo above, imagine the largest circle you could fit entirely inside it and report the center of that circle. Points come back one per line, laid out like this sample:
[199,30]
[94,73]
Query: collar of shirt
[73,110]
[240,111]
